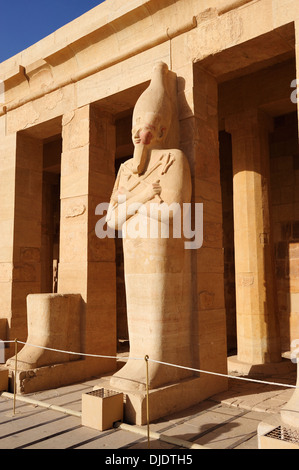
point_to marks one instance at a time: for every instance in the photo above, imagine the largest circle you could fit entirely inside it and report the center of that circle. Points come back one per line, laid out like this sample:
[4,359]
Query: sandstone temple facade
[66,107]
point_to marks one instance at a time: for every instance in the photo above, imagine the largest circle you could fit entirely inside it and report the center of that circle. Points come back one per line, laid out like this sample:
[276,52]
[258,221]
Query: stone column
[257,321]
[87,263]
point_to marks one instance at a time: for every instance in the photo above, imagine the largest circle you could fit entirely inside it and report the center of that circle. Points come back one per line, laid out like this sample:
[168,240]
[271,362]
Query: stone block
[76,129]
[8,152]
[102,84]
[26,272]
[6,230]
[73,243]
[74,210]
[3,329]
[53,325]
[102,160]
[3,379]
[27,232]
[6,272]
[210,291]
[73,278]
[50,106]
[101,409]
[100,249]
[75,184]
[210,260]
[294,298]
[168,399]
[2,119]
[101,185]
[74,160]
[212,235]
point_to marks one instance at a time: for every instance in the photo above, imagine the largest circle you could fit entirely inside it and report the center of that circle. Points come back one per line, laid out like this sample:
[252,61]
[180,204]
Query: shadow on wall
[226,175]
[284,165]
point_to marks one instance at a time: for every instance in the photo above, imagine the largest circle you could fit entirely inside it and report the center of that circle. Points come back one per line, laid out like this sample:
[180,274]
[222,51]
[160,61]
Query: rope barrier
[147,360]
[225,375]
[80,354]
[158,362]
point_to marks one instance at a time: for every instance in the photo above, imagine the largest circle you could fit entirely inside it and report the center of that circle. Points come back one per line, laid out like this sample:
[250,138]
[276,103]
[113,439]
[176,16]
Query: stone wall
[285,210]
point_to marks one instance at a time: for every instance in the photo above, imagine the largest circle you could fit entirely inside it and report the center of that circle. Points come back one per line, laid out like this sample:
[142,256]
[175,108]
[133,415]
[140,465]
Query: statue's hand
[157,187]
[153,189]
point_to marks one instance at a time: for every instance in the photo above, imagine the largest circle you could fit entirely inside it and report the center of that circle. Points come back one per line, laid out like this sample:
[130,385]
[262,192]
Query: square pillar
[199,140]
[8,146]
[27,229]
[258,336]
[21,159]
[87,263]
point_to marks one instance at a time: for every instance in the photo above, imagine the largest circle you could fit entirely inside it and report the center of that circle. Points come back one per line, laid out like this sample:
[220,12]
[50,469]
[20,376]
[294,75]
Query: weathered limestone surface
[85,267]
[53,322]
[157,275]
[200,142]
[27,228]
[257,312]
[75,84]
[7,171]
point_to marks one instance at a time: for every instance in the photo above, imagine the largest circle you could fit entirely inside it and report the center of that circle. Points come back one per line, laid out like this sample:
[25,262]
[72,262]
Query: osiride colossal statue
[147,205]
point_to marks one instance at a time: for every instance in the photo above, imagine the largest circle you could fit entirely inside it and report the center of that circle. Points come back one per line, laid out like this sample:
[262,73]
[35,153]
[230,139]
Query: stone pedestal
[167,399]
[234,365]
[53,325]
[47,377]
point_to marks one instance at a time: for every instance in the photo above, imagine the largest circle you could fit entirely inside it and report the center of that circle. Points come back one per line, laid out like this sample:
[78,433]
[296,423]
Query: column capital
[246,120]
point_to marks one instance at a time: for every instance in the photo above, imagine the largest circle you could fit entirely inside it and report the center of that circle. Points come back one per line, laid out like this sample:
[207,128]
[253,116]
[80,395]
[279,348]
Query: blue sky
[24,22]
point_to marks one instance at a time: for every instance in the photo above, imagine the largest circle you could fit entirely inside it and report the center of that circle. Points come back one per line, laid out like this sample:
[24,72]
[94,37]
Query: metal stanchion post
[147,403]
[15,376]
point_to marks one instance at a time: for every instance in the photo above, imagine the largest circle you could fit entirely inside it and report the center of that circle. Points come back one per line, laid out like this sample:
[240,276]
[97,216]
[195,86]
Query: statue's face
[144,134]
[148,130]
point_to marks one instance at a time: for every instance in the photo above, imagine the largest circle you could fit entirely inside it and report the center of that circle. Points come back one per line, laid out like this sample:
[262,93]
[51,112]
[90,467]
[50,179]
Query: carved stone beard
[140,158]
